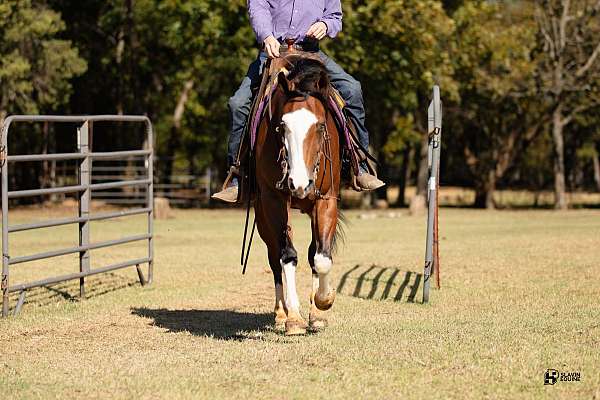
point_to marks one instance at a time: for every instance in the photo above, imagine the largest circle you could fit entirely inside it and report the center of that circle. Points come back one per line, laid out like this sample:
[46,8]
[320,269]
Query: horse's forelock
[309,76]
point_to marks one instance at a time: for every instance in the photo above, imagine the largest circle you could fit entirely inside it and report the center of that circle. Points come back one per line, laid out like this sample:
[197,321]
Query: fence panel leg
[85,172]
[5,252]
[20,303]
[150,202]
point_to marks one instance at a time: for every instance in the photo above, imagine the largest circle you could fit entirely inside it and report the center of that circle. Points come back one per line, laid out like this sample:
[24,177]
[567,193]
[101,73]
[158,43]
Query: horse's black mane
[310,79]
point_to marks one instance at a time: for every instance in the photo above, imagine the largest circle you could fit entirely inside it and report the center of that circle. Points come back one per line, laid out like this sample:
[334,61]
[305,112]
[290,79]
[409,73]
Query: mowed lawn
[519,295]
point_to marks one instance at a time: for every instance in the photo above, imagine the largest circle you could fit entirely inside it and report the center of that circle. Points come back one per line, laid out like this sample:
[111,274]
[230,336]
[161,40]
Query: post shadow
[219,324]
[410,280]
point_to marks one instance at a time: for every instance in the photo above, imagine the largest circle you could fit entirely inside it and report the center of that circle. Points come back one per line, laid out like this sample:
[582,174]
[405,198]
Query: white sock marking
[291,296]
[323,266]
[297,125]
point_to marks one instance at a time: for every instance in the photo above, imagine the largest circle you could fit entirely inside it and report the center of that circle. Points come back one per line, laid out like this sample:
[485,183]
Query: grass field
[520,295]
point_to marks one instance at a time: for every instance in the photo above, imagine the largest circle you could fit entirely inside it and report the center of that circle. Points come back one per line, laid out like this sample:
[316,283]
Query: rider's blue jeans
[241,102]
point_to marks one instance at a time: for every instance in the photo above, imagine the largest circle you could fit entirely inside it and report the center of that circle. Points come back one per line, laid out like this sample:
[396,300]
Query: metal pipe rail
[111,155]
[84,190]
[78,188]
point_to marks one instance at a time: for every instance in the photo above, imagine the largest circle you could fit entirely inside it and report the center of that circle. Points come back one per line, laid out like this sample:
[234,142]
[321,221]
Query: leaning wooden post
[435,137]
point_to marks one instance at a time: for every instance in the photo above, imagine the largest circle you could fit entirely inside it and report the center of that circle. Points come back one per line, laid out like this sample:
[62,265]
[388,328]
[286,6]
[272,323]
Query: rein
[326,139]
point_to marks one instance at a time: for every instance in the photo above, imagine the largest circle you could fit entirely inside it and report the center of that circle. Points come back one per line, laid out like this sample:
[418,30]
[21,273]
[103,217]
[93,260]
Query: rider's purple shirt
[291,19]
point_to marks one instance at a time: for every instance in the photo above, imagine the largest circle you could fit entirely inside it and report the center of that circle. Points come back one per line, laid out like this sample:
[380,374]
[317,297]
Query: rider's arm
[332,16]
[260,18]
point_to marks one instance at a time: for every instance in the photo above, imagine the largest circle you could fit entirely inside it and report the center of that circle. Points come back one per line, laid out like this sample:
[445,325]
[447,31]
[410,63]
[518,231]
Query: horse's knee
[289,255]
[323,263]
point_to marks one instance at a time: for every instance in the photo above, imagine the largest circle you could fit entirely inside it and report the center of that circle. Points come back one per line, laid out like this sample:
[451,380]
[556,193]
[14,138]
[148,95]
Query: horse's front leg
[272,213]
[324,224]
[294,324]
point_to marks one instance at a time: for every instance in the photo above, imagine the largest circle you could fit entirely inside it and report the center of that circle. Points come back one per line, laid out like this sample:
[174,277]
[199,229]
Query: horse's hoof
[279,326]
[326,302]
[317,323]
[295,327]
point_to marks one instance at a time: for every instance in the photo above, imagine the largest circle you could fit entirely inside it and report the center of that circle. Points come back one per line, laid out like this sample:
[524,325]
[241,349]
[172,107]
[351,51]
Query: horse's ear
[323,84]
[283,81]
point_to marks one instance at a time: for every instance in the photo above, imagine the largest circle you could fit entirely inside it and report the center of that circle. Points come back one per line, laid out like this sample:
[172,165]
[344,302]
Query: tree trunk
[404,175]
[381,193]
[596,162]
[418,202]
[174,136]
[484,192]
[560,196]
[423,170]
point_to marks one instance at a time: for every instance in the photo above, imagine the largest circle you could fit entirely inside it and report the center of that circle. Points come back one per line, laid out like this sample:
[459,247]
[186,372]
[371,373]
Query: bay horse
[298,165]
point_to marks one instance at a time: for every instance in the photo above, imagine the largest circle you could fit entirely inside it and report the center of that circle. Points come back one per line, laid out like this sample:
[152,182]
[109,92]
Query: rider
[307,22]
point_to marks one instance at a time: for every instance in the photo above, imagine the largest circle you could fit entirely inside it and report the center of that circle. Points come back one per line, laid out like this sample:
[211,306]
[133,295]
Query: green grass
[519,295]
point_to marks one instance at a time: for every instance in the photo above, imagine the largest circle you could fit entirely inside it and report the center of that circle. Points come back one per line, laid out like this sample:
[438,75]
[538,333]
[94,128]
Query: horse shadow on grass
[218,324]
[380,283]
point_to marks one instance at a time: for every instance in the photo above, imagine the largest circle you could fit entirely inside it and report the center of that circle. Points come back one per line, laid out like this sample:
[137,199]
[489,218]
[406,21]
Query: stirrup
[234,172]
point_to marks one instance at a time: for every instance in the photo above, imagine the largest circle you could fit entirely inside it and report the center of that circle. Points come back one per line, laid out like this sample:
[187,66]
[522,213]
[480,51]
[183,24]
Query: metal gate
[84,189]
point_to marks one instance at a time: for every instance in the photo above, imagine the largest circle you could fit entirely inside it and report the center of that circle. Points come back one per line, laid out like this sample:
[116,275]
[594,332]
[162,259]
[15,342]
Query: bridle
[324,152]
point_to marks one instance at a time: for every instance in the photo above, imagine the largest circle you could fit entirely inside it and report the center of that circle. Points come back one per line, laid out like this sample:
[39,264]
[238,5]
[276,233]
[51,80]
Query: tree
[36,66]
[176,61]
[497,116]
[398,50]
[569,70]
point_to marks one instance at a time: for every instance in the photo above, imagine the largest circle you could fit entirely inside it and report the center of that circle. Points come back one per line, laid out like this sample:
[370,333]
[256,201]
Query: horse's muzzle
[301,192]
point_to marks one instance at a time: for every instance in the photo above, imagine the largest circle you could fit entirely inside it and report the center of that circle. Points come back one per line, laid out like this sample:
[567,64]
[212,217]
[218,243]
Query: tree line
[520,80]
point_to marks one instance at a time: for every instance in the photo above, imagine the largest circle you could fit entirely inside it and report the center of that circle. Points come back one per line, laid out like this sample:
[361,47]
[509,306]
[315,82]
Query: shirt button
[293,27]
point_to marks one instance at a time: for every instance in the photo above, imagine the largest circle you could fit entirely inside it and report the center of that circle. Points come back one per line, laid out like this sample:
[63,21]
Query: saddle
[352,152]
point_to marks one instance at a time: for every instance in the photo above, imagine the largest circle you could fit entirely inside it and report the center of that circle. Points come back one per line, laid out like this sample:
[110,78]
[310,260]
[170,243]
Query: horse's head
[303,123]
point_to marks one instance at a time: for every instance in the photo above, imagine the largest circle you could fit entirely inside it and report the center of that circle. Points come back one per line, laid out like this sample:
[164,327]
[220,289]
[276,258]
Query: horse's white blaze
[297,125]
[291,296]
[323,267]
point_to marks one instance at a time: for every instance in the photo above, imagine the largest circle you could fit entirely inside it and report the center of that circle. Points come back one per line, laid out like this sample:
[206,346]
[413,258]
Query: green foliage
[398,50]
[178,61]
[498,110]
[35,64]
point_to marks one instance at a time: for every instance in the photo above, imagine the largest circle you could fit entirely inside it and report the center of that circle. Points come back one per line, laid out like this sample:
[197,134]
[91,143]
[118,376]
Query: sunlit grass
[519,295]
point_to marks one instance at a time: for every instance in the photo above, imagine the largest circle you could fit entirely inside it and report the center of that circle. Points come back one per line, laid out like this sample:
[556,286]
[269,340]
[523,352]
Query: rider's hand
[318,30]
[272,47]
